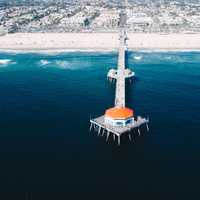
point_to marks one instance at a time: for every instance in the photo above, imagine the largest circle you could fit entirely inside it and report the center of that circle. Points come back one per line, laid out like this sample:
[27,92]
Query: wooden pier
[112,75]
[99,125]
[119,120]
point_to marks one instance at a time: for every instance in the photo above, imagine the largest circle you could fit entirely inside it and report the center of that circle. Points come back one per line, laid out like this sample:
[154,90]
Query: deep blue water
[47,151]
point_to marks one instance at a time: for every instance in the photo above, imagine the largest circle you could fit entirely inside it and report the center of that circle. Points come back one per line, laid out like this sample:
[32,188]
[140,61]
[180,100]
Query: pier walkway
[120,84]
[123,121]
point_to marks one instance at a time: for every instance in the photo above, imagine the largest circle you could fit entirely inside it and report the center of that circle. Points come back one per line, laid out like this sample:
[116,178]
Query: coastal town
[98,16]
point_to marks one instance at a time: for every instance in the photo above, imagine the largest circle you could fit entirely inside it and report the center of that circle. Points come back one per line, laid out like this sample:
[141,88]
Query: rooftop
[119,113]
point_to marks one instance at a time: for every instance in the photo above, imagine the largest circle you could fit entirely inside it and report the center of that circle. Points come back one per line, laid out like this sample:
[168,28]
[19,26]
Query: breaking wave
[44,62]
[60,64]
[63,64]
[5,62]
[137,57]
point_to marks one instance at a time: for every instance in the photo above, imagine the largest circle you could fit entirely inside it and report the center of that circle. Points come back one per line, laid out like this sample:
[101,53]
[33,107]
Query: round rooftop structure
[119,113]
[119,116]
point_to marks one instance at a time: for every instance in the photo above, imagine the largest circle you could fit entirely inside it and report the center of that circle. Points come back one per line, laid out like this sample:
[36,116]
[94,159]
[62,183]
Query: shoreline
[49,51]
[102,42]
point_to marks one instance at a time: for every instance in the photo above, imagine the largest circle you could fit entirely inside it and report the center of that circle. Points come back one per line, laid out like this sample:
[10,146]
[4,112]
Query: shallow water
[45,106]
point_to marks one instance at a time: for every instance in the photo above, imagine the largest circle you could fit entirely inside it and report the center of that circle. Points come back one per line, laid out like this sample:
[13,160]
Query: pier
[119,120]
[122,73]
[99,125]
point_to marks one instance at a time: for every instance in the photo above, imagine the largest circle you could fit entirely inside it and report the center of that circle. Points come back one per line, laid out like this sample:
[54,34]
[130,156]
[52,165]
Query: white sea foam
[169,57]
[44,62]
[60,64]
[63,64]
[161,50]
[5,61]
[58,51]
[71,65]
[137,57]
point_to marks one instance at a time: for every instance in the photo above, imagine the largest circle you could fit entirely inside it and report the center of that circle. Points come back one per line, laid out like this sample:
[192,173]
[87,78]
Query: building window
[129,121]
[119,124]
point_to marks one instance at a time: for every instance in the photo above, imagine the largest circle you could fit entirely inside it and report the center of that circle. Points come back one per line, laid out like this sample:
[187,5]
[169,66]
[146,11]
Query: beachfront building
[138,22]
[75,22]
[100,15]
[108,19]
[119,116]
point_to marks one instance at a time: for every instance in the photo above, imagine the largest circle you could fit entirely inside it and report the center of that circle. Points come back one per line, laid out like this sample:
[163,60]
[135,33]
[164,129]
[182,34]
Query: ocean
[47,151]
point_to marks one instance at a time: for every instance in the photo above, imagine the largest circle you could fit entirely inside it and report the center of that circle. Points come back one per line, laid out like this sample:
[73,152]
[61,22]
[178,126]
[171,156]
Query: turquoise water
[45,106]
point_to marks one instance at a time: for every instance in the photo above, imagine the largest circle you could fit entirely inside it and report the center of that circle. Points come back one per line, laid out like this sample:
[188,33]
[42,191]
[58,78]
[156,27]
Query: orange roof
[119,113]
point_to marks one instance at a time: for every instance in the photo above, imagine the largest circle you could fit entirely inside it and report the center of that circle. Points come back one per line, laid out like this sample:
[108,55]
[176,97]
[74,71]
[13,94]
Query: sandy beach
[98,41]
